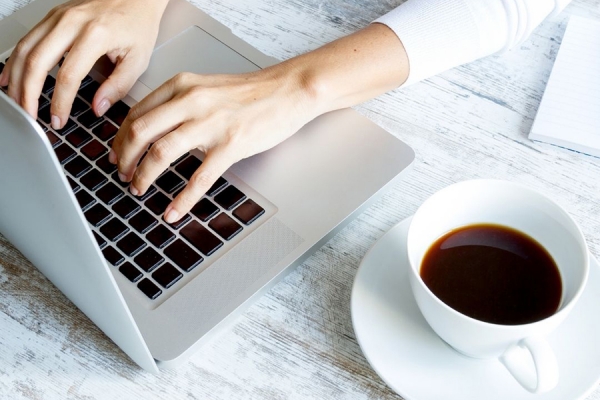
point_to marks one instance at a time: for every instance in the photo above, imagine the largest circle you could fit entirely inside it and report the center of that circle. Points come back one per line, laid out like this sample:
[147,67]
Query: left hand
[227,117]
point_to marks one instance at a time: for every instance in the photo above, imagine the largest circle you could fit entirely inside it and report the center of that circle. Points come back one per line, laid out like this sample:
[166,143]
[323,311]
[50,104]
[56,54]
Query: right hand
[123,30]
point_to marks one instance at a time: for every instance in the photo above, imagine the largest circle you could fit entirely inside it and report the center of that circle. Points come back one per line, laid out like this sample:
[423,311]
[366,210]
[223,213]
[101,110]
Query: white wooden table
[297,341]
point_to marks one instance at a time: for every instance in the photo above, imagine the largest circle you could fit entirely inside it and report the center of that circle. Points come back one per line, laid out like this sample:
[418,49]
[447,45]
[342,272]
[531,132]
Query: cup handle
[539,376]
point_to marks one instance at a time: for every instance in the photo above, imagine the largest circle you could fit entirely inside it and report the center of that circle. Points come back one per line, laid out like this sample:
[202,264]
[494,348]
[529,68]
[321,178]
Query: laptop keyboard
[129,230]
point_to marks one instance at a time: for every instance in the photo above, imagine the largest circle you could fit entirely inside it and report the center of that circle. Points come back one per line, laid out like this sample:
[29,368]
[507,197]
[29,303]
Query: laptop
[161,291]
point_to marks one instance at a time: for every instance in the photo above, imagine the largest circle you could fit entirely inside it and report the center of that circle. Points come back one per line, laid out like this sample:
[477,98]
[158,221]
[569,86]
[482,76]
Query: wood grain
[297,341]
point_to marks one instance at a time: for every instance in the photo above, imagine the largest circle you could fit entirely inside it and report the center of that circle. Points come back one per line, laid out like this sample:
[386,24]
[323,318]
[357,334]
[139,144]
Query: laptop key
[114,229]
[248,212]
[89,119]
[201,238]
[49,84]
[78,166]
[105,165]
[148,259]
[142,221]
[93,180]
[41,124]
[126,207]
[42,101]
[101,242]
[149,288]
[151,190]
[69,127]
[158,203]
[182,221]
[54,140]
[74,186]
[86,81]
[105,131]
[229,197]
[167,275]
[131,244]
[44,114]
[204,209]
[93,150]
[97,215]
[84,199]
[179,159]
[78,107]
[64,153]
[183,255]
[109,193]
[88,91]
[113,256]
[78,137]
[217,186]
[117,180]
[118,112]
[187,167]
[131,272]
[225,226]
[160,236]
[169,182]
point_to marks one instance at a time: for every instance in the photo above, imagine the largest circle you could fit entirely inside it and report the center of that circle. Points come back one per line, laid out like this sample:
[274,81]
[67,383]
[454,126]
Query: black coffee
[494,274]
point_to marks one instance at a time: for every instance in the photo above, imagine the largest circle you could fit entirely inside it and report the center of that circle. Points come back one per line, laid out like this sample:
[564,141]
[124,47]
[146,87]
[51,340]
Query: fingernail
[122,177]
[134,191]
[171,216]
[112,157]
[103,107]
[55,122]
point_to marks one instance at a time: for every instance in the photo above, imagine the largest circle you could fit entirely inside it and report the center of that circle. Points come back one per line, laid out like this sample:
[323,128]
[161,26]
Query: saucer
[418,365]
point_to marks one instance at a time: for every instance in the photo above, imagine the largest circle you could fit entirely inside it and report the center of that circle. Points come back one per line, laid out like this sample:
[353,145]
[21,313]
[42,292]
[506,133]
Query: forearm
[350,70]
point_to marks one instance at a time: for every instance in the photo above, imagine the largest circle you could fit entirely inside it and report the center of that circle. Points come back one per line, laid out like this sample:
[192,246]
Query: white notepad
[569,114]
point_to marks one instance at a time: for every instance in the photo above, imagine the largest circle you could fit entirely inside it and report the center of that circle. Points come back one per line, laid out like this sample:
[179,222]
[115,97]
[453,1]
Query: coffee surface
[494,274]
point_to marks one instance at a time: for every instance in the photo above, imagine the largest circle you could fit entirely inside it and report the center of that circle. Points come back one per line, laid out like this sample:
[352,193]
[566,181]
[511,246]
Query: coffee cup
[522,348]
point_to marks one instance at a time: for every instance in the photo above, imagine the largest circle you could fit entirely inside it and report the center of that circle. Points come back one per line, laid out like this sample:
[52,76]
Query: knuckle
[201,180]
[160,151]
[70,14]
[137,130]
[182,79]
[32,61]
[22,47]
[96,29]
[66,76]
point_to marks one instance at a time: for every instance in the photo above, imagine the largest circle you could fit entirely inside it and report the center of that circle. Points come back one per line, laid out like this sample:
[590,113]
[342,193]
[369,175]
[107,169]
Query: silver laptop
[160,291]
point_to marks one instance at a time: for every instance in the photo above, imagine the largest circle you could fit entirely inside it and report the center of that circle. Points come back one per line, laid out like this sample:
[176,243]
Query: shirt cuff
[441,34]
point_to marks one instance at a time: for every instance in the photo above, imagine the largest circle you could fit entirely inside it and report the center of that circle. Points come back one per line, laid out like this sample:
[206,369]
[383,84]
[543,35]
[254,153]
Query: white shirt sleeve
[441,34]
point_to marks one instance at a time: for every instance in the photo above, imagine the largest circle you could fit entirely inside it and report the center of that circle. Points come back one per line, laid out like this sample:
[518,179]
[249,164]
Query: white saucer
[418,365]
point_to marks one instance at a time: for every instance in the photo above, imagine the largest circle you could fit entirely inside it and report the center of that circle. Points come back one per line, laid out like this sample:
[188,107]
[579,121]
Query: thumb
[118,84]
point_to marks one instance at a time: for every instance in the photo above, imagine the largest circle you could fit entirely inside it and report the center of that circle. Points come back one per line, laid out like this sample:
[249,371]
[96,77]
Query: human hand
[227,117]
[124,30]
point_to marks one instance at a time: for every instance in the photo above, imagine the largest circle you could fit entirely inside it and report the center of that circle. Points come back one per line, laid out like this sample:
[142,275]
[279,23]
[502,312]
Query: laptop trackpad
[193,50]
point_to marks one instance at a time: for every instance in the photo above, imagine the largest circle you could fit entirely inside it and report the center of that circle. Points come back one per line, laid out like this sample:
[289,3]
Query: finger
[216,162]
[41,59]
[15,67]
[148,129]
[119,83]
[162,153]
[32,37]
[80,60]
[161,95]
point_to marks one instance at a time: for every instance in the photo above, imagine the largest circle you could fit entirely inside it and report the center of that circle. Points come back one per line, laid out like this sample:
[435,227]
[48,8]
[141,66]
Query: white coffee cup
[518,207]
